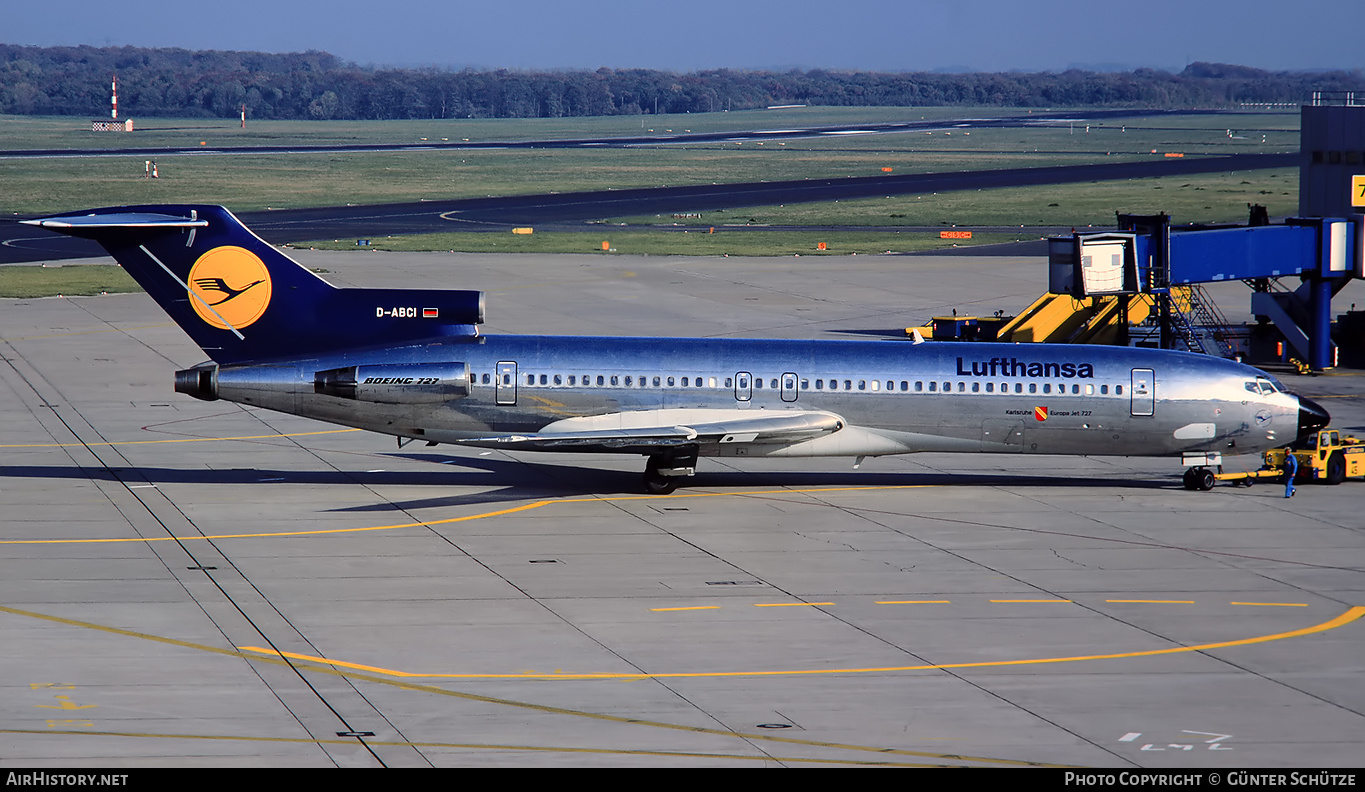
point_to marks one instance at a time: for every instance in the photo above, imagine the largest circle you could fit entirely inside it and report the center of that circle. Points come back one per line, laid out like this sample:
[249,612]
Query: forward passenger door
[1143,392]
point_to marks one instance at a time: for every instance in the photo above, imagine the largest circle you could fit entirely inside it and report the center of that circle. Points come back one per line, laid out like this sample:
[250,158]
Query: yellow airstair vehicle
[1063,319]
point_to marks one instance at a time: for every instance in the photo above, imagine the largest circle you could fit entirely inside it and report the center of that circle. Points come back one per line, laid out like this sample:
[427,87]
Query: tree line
[318,85]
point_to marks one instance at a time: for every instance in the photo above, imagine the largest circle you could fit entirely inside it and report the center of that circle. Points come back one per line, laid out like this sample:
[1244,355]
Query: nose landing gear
[1199,478]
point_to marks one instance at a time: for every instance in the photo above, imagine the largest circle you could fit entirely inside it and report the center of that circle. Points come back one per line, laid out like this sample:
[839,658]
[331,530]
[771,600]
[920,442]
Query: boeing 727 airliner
[412,363]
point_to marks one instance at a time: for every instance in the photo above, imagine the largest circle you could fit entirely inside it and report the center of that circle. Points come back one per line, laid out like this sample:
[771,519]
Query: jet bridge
[1148,256]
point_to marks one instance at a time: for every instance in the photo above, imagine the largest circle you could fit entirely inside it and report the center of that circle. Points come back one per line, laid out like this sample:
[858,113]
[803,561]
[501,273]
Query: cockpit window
[1267,386]
[1253,387]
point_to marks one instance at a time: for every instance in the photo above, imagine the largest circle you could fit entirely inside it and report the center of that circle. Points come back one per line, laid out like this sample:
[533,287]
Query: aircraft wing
[661,428]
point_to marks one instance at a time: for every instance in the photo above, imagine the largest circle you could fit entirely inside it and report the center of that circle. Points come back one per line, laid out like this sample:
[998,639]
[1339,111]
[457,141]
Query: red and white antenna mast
[113,99]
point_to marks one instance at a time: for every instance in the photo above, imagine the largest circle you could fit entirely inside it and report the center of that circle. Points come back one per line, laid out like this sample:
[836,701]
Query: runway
[19,243]
[189,583]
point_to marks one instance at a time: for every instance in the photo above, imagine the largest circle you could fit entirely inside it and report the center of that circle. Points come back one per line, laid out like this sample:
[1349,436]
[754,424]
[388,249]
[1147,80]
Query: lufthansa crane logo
[229,287]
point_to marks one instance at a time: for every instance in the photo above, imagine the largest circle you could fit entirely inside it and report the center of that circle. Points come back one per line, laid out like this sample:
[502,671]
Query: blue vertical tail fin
[242,300]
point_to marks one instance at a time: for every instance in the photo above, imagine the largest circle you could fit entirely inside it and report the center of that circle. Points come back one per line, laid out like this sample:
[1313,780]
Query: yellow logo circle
[229,287]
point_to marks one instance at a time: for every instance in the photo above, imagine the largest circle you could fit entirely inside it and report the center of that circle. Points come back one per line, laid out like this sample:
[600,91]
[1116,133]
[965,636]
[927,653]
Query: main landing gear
[665,470]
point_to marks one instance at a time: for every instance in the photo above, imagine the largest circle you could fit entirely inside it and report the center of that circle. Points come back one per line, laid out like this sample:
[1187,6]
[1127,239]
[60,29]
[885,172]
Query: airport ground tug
[1327,457]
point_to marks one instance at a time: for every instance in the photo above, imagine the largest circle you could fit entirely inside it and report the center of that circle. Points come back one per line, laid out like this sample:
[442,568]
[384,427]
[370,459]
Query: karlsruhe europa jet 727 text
[412,363]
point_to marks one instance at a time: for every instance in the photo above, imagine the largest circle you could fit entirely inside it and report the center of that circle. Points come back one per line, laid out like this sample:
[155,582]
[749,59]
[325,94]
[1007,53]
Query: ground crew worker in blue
[1291,469]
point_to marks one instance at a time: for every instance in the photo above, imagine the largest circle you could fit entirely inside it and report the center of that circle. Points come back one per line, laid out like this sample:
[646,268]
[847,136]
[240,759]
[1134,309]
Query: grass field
[70,132]
[71,280]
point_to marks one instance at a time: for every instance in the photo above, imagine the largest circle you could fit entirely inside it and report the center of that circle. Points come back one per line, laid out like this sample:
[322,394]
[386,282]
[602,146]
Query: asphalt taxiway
[188,583]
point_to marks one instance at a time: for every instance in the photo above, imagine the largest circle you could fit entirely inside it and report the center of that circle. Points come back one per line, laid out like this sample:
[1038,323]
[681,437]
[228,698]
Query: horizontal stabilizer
[99,222]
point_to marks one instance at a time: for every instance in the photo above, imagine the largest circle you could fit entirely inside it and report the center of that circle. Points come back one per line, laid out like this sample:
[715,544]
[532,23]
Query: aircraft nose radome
[1312,417]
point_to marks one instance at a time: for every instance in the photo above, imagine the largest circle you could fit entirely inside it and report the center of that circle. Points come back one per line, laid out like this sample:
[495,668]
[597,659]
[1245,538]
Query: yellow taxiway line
[1349,616]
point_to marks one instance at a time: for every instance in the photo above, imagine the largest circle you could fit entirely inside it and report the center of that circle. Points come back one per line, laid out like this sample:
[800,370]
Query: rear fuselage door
[1143,391]
[507,382]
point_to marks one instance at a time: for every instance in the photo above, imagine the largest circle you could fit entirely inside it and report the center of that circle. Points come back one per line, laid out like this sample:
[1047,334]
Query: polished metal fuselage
[892,396]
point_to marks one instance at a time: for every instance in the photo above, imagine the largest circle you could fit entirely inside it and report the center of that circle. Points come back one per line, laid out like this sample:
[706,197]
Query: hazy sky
[689,35]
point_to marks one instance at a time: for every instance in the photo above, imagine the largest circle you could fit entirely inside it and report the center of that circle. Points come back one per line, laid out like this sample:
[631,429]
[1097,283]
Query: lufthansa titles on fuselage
[1014,367]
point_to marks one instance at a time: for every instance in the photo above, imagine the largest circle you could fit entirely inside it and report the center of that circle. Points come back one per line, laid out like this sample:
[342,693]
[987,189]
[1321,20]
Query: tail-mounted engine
[201,382]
